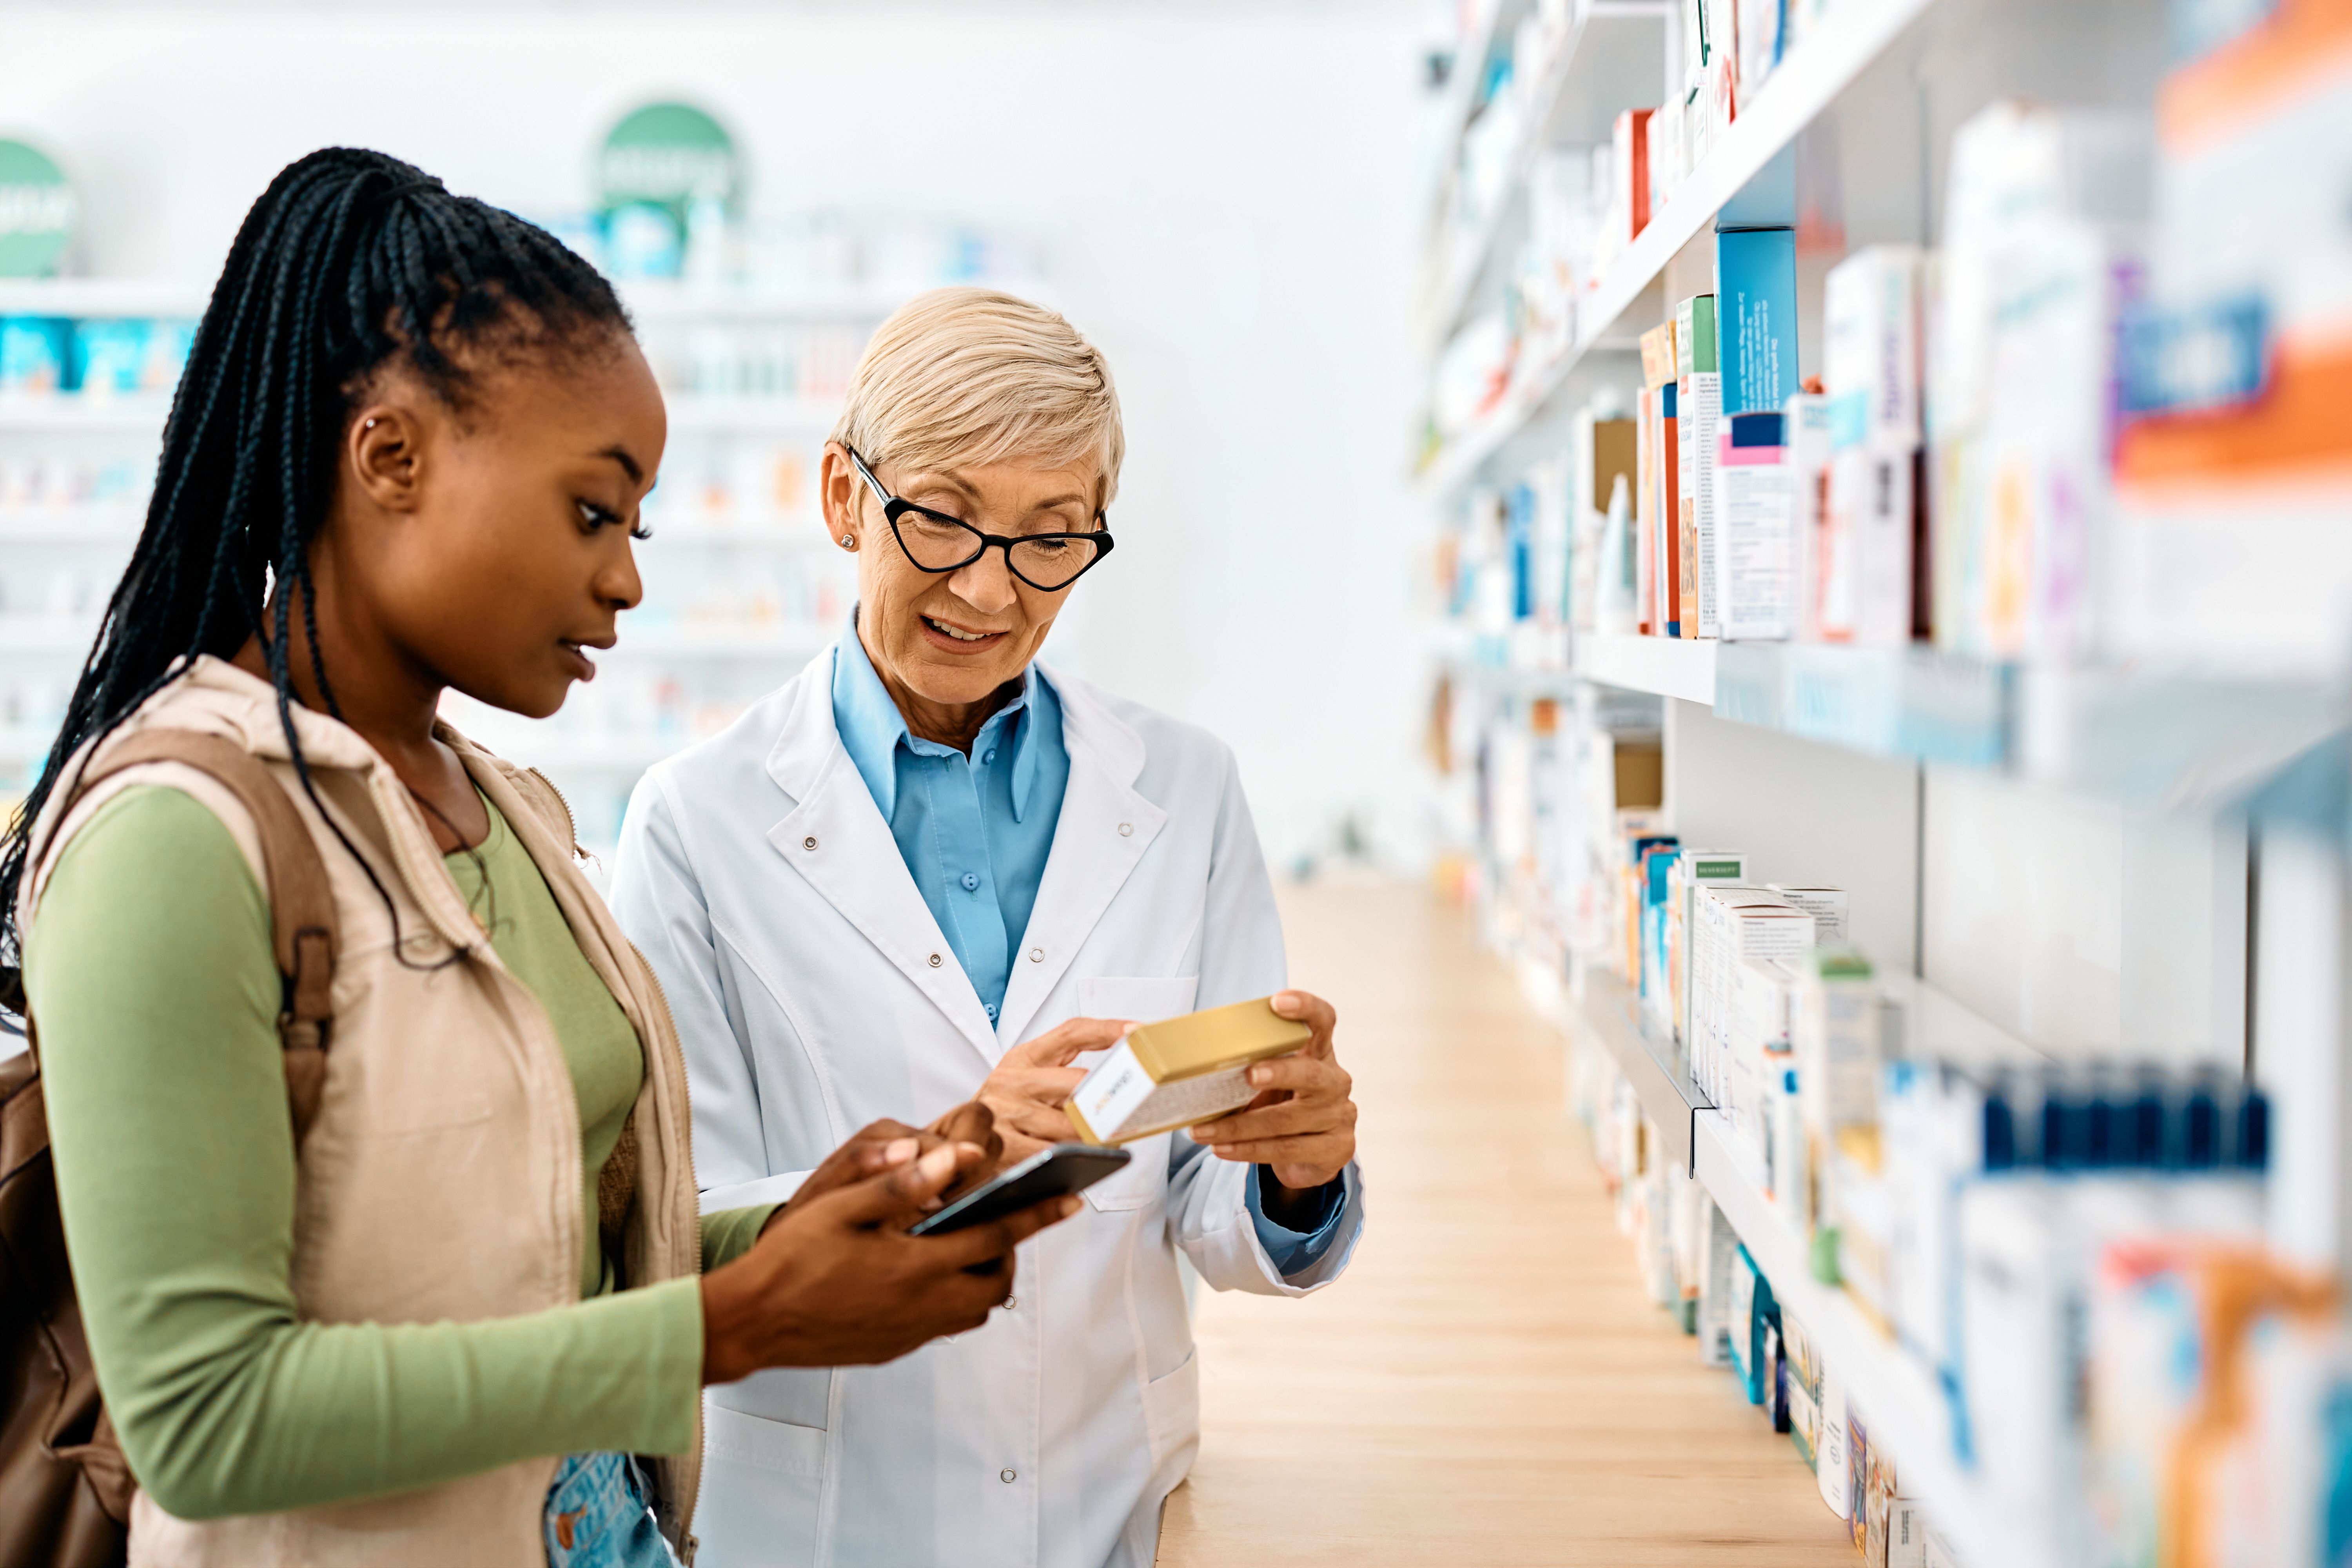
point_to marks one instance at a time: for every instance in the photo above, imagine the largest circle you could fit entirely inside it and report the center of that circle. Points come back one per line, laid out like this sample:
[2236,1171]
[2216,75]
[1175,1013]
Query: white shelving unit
[1795,95]
[1915,767]
[742,587]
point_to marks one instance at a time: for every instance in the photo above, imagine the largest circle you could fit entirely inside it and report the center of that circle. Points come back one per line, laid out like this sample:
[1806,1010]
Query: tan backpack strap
[302,925]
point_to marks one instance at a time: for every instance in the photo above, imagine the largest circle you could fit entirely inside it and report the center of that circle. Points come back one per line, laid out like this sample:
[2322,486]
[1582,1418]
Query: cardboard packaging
[1181,1071]
[1826,905]
[1630,168]
[1698,407]
[1692,869]
[1660,486]
[1805,429]
[1757,531]
[1835,1022]
[1756,302]
[1735,924]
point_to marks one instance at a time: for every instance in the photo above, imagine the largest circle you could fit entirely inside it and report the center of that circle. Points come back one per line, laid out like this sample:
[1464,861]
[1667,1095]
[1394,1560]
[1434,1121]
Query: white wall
[1224,196]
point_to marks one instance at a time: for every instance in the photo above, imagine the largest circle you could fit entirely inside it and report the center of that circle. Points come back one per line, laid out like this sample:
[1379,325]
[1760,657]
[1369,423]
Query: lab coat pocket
[1136,1183]
[1171,1408]
[763,1485]
[1145,998]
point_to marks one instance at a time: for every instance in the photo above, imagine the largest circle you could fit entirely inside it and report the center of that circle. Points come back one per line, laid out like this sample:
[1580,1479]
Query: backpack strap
[303,929]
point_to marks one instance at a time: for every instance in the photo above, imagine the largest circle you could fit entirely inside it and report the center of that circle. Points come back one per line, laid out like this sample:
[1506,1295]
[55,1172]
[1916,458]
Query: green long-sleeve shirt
[151,977]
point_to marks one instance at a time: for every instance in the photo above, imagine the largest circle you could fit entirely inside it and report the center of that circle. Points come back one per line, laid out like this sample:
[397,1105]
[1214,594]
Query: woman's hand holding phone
[883,1145]
[836,1280]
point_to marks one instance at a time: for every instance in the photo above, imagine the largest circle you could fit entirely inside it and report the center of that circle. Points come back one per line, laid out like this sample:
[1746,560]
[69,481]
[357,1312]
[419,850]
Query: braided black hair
[351,261]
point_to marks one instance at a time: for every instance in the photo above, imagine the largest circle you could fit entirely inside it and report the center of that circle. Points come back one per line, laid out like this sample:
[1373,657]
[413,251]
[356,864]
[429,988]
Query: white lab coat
[814,994]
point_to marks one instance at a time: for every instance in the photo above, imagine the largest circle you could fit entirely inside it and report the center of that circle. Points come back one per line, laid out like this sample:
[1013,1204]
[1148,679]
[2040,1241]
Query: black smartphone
[1053,1172]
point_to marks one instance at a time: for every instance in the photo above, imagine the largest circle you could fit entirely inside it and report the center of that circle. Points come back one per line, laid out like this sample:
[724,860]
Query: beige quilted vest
[441,1180]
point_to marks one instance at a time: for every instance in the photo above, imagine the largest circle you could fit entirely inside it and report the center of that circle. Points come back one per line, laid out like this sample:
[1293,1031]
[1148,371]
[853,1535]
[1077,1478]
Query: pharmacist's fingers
[1045,1086]
[1043,1123]
[1307,1077]
[1306,1008]
[1291,1119]
[1062,1044]
[1327,1150]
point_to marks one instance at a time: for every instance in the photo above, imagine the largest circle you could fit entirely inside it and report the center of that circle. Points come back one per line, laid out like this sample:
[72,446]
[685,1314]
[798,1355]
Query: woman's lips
[941,639]
[583,668]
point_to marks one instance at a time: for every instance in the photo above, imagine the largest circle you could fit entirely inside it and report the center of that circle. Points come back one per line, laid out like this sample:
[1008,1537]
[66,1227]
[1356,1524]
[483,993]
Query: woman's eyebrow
[629,465]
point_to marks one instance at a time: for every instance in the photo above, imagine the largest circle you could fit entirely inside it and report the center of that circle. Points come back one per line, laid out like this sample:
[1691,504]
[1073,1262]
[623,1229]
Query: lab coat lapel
[1103,829]
[834,836]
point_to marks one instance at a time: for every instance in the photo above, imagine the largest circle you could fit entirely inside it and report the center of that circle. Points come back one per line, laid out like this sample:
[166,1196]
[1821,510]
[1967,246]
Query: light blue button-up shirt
[975,829]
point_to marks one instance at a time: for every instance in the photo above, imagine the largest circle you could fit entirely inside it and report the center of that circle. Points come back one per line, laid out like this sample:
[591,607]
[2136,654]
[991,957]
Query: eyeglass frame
[893,509]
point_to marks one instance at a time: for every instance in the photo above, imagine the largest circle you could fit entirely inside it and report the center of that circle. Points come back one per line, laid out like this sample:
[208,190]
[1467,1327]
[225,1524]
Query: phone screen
[1063,1169]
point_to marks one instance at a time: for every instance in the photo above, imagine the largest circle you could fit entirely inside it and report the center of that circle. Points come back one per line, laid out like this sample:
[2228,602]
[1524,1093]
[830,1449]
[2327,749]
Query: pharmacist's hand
[837,1281]
[1303,1122]
[1034,1080]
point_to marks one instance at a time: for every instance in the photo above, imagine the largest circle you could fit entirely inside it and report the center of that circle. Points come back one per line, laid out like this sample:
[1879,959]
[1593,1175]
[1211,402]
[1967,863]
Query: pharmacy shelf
[1901,1399]
[1669,667]
[1460,103]
[131,297]
[764,531]
[74,414]
[115,527]
[1608,1010]
[656,303]
[795,644]
[22,744]
[1572,69]
[702,412]
[1796,92]
[585,754]
[59,636]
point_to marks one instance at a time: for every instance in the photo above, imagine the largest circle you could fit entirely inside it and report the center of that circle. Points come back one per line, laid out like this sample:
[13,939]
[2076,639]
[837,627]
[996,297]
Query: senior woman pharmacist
[926,848]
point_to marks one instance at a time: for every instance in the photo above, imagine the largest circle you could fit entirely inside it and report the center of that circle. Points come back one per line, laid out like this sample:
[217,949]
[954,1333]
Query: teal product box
[36,355]
[1756,317]
[110,356]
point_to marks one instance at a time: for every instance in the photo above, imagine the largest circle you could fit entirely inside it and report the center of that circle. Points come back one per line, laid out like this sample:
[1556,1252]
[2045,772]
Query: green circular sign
[36,212]
[671,156]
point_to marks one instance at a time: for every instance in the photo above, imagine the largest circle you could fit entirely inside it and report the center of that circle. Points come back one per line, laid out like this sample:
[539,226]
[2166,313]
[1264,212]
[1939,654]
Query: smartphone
[1053,1172]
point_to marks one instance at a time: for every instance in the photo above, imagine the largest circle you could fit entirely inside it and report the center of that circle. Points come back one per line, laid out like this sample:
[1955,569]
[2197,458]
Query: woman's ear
[836,492]
[385,455]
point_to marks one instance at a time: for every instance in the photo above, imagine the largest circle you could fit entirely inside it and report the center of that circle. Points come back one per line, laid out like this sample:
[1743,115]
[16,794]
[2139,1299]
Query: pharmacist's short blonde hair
[973,376]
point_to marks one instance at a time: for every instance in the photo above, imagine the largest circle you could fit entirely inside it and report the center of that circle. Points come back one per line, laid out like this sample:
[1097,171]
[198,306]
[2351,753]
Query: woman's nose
[618,584]
[986,584]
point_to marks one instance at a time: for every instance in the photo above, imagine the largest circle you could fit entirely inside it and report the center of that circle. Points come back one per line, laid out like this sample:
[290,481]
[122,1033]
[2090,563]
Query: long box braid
[350,260]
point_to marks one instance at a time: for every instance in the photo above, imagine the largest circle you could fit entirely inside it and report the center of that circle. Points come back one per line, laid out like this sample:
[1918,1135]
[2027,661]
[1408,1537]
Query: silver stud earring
[847,543]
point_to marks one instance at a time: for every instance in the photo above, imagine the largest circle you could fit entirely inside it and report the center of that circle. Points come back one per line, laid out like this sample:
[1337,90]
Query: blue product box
[110,356]
[35,354]
[1756,317]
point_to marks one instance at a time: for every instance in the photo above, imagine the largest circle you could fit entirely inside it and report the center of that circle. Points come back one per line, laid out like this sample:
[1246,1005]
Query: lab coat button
[1127,830]
[935,961]
[1011,1304]
[1007,1477]
[810,842]
[1037,955]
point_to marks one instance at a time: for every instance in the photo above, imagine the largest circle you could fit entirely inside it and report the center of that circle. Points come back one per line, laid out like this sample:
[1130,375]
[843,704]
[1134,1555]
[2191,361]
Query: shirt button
[989,755]
[810,842]
[970,881]
[1037,955]
[1008,1476]
[991,1011]
[1127,830]
[935,961]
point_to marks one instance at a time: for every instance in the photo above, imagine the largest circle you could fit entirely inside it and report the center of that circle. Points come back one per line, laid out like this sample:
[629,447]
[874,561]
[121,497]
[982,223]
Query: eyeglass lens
[937,545]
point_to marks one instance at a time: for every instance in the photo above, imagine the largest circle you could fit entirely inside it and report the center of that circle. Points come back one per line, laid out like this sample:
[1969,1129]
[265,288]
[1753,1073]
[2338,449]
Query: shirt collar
[872,728]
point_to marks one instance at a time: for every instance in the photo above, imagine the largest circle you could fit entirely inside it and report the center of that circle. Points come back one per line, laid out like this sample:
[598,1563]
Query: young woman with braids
[408,454]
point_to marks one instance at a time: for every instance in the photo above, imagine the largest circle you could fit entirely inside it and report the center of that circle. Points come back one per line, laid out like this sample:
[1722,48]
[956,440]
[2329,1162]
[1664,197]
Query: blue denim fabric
[599,1515]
